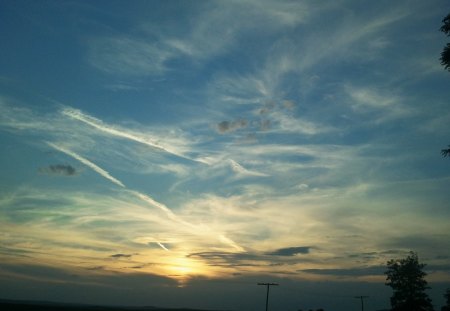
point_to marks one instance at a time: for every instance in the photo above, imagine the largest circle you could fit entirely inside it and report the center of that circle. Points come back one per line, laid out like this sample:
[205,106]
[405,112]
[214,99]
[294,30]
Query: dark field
[13,305]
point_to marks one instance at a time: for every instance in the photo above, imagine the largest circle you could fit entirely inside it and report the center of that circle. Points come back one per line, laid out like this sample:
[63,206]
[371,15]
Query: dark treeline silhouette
[15,305]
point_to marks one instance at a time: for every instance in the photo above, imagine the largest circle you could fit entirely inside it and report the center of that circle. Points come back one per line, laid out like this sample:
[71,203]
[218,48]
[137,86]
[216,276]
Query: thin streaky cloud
[230,242]
[171,215]
[105,174]
[239,169]
[100,125]
[162,246]
[88,163]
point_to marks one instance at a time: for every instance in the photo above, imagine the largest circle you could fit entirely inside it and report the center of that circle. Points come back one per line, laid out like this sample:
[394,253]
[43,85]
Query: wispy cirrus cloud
[387,105]
[213,29]
[291,60]
[170,214]
[239,169]
[128,56]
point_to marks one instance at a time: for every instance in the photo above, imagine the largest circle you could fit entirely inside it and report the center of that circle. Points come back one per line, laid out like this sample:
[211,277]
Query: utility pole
[267,295]
[362,301]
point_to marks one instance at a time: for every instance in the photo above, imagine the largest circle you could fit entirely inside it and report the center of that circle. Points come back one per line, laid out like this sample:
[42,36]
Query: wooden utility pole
[362,301]
[267,295]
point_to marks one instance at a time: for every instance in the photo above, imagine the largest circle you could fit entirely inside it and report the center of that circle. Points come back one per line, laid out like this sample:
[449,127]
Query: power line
[267,295]
[362,301]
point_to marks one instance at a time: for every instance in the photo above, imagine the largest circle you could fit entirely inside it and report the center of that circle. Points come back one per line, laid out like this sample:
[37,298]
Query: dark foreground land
[15,305]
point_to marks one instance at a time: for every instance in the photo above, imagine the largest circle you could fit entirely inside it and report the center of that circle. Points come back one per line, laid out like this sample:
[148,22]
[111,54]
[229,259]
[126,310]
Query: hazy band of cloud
[105,174]
[171,215]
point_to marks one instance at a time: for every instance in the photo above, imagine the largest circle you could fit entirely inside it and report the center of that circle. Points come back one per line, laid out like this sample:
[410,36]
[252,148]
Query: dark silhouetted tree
[447,300]
[445,61]
[445,54]
[407,279]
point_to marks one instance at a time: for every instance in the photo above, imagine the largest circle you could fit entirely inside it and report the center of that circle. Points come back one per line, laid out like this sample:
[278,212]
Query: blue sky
[192,147]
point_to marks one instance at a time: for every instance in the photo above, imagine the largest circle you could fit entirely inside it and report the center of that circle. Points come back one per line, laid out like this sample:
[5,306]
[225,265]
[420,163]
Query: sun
[182,268]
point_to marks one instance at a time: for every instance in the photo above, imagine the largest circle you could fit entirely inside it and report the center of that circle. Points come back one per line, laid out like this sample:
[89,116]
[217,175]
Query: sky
[176,153]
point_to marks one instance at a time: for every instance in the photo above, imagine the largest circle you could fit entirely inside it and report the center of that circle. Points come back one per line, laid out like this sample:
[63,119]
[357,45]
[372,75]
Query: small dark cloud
[96,268]
[364,271]
[393,252]
[278,258]
[121,256]
[35,272]
[263,111]
[265,125]
[290,251]
[59,169]
[142,265]
[225,256]
[230,126]
[435,268]
[289,104]
[365,256]
[227,259]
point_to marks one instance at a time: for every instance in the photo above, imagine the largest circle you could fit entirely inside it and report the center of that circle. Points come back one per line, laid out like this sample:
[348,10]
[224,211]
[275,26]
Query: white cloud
[20,118]
[303,186]
[129,56]
[289,124]
[238,89]
[241,171]
[389,105]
